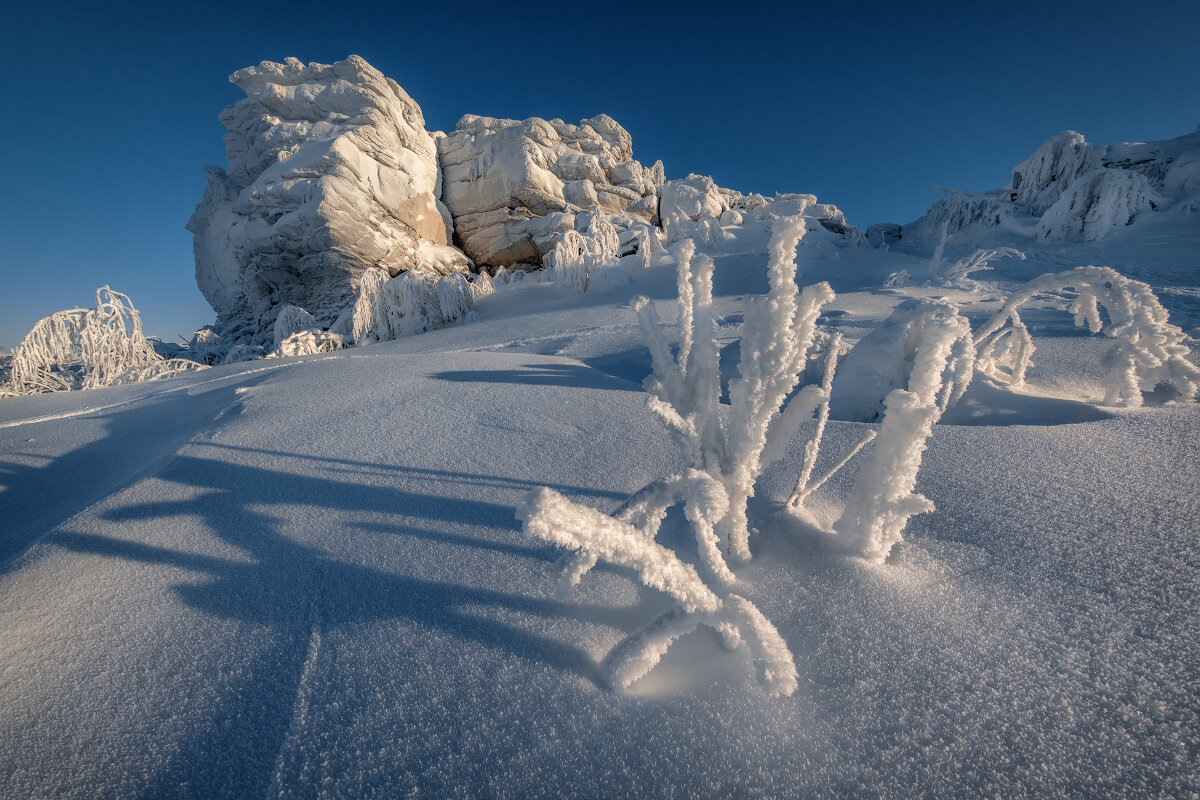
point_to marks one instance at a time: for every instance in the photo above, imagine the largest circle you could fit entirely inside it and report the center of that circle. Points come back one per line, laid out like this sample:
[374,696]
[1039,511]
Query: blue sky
[111,108]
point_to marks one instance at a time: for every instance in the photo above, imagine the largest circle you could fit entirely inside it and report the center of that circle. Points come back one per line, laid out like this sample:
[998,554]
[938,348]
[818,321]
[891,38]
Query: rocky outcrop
[514,187]
[331,172]
[1067,190]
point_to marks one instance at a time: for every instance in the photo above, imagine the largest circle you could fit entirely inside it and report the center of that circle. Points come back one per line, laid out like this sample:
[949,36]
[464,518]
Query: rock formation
[1067,190]
[333,176]
[514,187]
[331,171]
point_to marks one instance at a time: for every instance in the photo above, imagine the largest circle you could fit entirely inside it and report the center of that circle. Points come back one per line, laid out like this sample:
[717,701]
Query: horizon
[120,110]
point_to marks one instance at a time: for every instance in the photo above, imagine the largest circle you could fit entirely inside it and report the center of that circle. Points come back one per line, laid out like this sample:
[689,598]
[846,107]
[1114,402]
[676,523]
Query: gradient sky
[111,107]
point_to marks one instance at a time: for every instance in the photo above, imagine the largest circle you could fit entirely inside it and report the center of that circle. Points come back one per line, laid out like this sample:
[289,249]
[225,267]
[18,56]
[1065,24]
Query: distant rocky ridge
[1067,190]
[331,173]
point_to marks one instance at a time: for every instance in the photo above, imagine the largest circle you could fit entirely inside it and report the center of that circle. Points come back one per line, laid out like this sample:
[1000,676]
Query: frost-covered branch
[1149,350]
[958,274]
[923,352]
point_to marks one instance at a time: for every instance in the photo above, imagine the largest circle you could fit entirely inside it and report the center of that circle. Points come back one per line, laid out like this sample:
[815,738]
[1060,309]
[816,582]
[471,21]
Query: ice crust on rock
[513,187]
[330,171]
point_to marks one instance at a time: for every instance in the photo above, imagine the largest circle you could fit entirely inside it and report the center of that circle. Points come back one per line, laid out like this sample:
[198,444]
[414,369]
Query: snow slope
[304,577]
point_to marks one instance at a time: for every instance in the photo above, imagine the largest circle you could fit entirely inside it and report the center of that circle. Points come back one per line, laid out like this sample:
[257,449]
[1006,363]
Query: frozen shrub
[89,349]
[957,275]
[925,351]
[583,262]
[206,346]
[886,357]
[723,454]
[1149,350]
[243,352]
[308,342]
[413,302]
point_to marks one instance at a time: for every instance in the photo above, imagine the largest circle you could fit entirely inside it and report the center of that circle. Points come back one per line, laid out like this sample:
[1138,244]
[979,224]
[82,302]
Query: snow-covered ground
[305,576]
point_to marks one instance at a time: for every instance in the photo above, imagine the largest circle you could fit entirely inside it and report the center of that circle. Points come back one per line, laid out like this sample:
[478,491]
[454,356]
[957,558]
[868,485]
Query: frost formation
[89,348]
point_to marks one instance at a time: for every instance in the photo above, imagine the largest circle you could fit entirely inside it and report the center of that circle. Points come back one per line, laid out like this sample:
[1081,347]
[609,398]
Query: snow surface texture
[1067,190]
[330,171]
[88,348]
[304,577]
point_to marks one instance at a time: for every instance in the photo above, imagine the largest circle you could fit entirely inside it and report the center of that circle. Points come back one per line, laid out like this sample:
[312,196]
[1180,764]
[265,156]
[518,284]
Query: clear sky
[110,108]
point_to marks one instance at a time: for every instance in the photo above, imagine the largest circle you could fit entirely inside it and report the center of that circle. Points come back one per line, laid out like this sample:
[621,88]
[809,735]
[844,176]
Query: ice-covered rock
[1068,189]
[331,171]
[513,187]
[1095,205]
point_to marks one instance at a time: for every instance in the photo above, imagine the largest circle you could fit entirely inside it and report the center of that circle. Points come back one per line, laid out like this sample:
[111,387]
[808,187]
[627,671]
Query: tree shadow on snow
[292,588]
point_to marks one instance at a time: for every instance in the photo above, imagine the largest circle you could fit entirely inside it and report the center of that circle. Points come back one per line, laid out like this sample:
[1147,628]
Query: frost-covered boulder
[692,197]
[331,171]
[1040,180]
[513,187]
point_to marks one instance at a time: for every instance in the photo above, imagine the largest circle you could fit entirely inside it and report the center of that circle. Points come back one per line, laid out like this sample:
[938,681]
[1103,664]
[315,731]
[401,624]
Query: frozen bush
[308,342]
[413,302]
[925,350]
[206,346]
[723,453]
[886,358]
[1149,350]
[243,352]
[89,349]
[583,262]
[957,275]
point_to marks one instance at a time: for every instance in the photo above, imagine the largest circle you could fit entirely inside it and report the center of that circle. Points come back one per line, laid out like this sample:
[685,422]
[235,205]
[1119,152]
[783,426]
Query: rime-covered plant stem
[723,457]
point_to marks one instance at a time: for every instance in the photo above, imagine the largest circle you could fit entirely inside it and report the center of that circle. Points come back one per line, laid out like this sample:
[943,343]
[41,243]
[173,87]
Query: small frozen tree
[89,349]
[1149,350]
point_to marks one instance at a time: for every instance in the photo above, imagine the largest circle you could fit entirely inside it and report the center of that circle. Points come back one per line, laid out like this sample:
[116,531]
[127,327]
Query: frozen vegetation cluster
[724,453]
[88,348]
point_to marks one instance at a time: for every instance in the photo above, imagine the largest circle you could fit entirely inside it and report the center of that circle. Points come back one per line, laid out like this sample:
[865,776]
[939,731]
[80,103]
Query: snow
[306,576]
[780,510]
